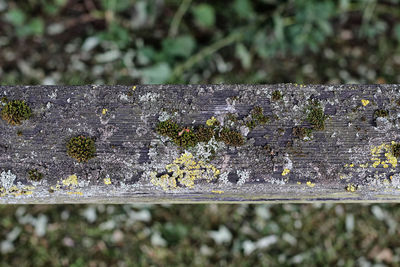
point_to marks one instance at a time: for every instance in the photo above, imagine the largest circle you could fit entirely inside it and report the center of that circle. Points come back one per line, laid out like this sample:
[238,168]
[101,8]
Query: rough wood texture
[350,160]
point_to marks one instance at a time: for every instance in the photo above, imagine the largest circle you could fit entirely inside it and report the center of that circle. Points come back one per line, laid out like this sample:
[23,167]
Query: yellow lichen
[217,191]
[134,88]
[310,184]
[210,122]
[16,191]
[72,180]
[75,193]
[186,171]
[107,181]
[364,165]
[285,172]
[390,158]
[364,102]
[104,111]
[351,188]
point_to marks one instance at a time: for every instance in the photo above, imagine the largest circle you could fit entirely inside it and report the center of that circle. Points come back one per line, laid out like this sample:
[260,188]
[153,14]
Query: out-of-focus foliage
[200,235]
[171,41]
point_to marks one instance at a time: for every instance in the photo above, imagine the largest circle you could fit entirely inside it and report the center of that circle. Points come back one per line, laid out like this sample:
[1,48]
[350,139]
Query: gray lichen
[7,179]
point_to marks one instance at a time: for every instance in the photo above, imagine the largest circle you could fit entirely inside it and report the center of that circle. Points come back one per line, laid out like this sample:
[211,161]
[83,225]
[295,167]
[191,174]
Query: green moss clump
[396,150]
[204,134]
[231,137]
[15,111]
[168,128]
[276,95]
[316,116]
[301,132]
[257,117]
[381,113]
[35,175]
[81,148]
[185,138]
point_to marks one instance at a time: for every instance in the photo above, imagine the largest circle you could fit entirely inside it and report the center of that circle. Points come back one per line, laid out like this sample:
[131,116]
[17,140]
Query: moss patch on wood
[276,95]
[316,116]
[231,137]
[16,111]
[186,137]
[257,118]
[301,132]
[396,150]
[81,148]
[35,175]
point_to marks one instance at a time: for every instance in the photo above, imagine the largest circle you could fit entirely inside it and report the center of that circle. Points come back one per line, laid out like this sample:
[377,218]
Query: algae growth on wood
[200,143]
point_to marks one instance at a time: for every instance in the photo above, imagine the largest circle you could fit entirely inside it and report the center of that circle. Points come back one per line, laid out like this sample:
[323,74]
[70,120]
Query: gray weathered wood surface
[352,152]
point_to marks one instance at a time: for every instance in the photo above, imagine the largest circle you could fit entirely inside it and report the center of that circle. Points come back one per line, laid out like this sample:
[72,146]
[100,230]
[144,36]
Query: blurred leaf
[54,6]
[36,26]
[204,15]
[397,31]
[243,55]
[145,55]
[181,46]
[173,233]
[116,5]
[156,74]
[243,8]
[16,17]
[116,34]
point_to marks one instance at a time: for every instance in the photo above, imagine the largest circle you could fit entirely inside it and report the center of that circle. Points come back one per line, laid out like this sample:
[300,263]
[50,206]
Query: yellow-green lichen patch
[75,193]
[364,102]
[388,152]
[351,188]
[16,191]
[285,172]
[69,183]
[212,121]
[107,181]
[217,191]
[185,171]
[310,184]
[72,180]
[104,111]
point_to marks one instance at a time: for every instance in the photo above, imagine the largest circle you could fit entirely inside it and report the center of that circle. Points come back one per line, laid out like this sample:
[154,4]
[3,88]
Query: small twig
[176,20]
[207,51]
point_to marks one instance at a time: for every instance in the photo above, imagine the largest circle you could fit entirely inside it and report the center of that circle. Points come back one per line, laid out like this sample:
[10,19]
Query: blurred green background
[169,41]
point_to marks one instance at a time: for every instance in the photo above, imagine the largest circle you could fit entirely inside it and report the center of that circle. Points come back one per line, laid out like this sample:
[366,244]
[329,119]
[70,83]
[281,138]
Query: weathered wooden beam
[302,143]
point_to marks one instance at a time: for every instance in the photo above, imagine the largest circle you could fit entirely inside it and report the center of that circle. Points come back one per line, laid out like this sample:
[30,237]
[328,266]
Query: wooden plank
[290,158]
